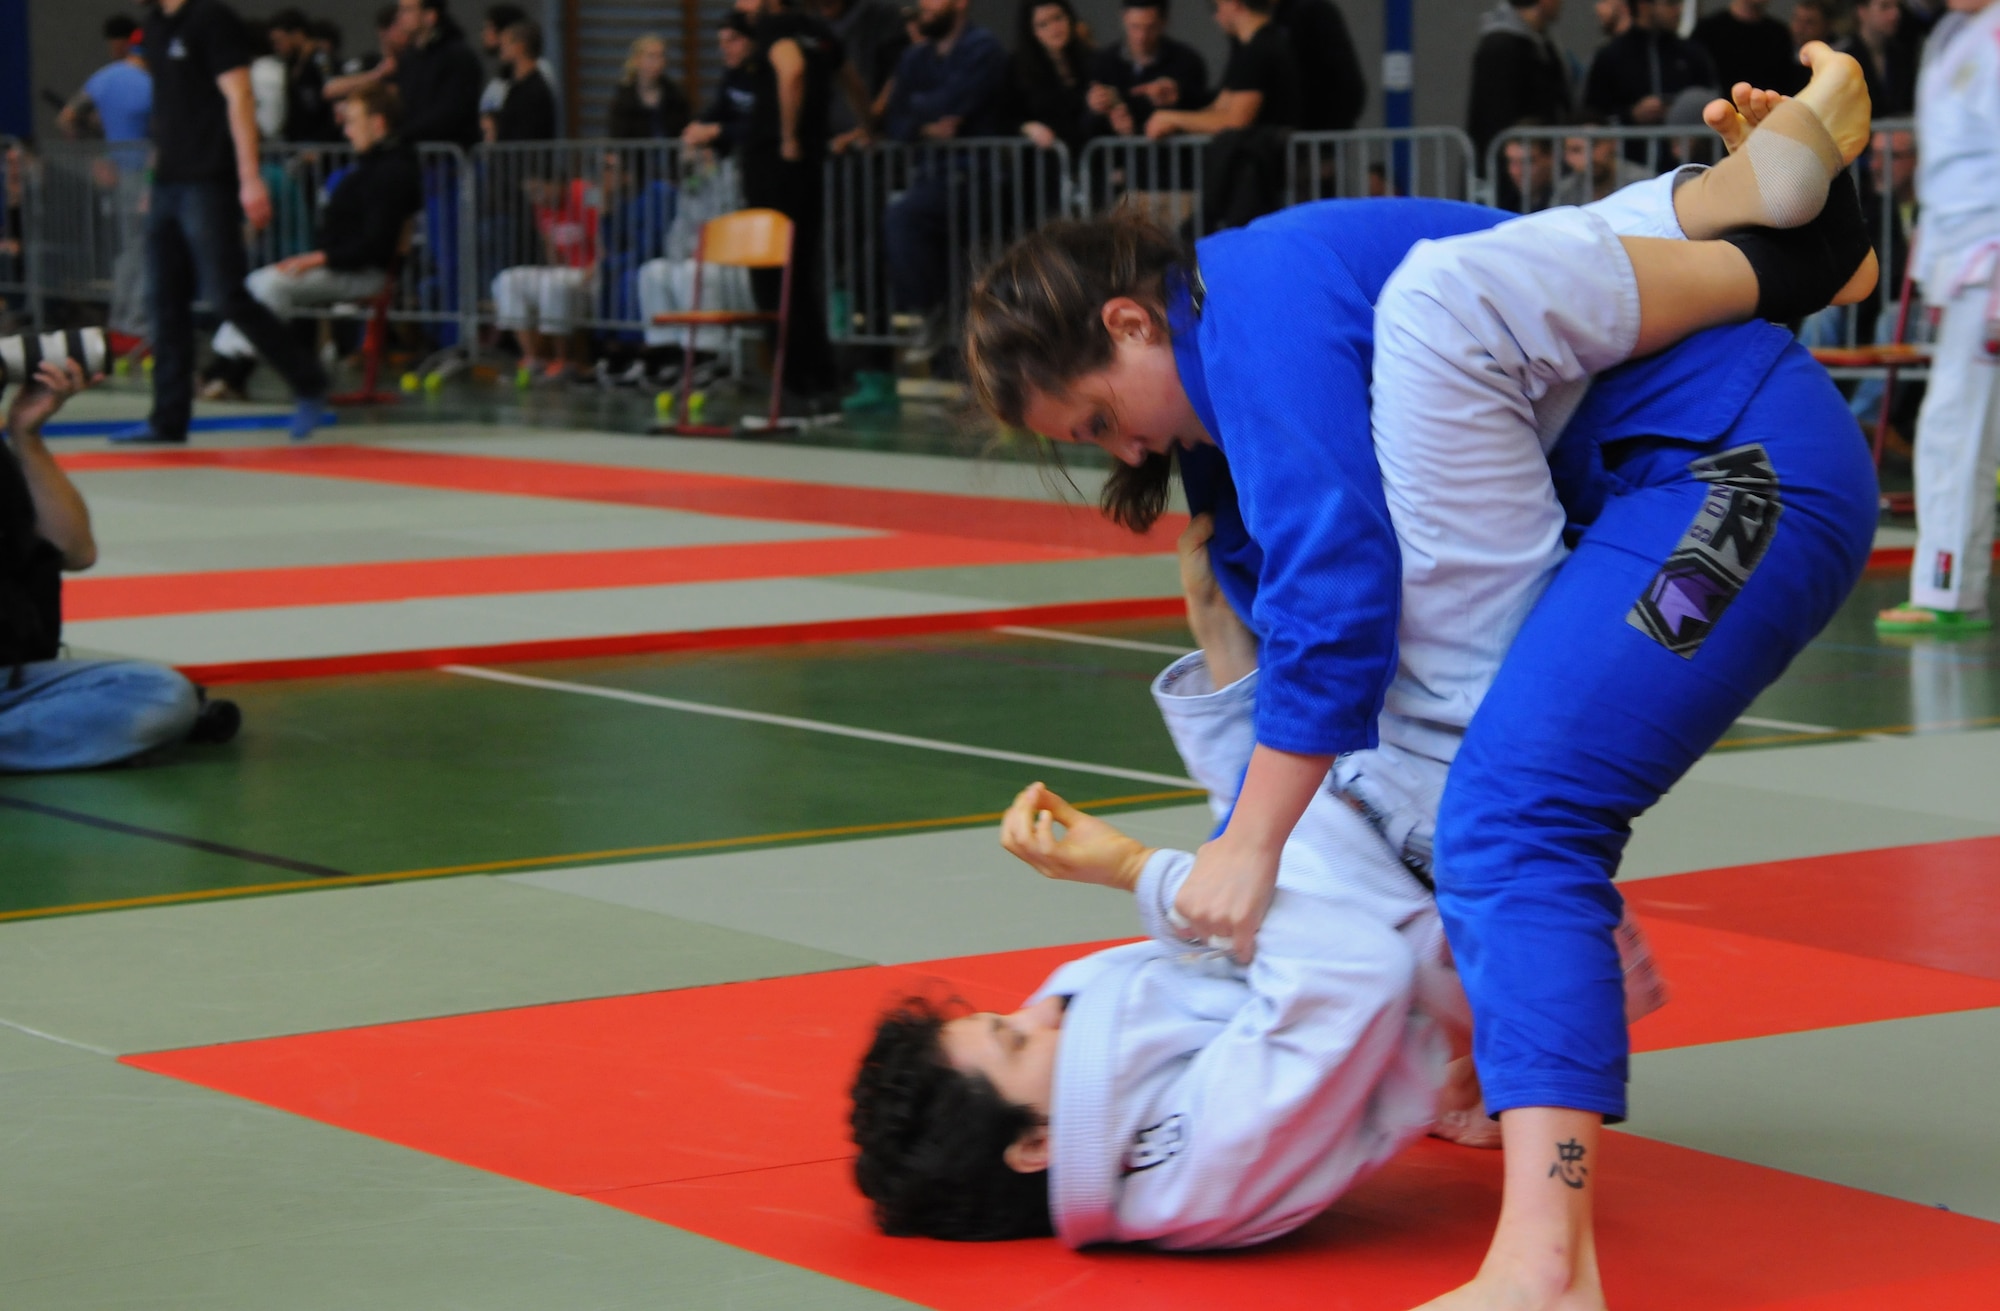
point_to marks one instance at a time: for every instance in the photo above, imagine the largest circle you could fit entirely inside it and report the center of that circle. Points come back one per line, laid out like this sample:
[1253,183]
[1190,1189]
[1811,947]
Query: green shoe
[523,379]
[1922,619]
[874,393]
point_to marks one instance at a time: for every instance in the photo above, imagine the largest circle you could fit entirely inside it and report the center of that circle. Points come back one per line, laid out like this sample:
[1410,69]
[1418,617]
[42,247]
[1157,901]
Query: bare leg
[1686,286]
[1227,646]
[1544,1254]
[531,348]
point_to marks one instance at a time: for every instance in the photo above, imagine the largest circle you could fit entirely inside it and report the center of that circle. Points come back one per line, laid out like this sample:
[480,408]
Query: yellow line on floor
[1883,730]
[573,858]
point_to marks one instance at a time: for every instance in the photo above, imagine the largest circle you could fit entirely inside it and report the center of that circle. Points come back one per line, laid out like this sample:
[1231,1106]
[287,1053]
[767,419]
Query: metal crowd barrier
[15,288]
[1536,168]
[1432,162]
[1164,177]
[926,216]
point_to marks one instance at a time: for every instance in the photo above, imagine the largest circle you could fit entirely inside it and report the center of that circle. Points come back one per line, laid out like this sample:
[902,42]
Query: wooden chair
[375,341]
[748,239]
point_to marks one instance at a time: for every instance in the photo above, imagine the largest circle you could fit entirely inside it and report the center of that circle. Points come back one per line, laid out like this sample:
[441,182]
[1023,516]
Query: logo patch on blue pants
[1716,555]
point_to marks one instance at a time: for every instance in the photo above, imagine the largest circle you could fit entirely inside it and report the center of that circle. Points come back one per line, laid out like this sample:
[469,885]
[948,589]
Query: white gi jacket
[1198,1104]
[1958,154]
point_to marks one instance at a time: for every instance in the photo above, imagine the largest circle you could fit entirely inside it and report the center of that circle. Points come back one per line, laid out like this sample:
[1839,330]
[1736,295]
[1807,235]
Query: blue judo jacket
[1273,333]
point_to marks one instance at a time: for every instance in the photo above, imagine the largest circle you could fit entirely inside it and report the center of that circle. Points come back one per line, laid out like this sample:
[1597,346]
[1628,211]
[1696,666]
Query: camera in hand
[21,356]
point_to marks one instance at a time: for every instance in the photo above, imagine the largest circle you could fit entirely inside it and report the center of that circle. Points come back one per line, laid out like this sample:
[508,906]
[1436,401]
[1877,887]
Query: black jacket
[440,85]
[1892,92]
[630,120]
[1183,63]
[1645,63]
[1332,88]
[1516,75]
[364,216]
[1041,96]
[529,111]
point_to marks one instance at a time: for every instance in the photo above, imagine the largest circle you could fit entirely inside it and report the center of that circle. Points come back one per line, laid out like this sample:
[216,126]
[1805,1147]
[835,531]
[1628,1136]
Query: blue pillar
[1399,81]
[17,104]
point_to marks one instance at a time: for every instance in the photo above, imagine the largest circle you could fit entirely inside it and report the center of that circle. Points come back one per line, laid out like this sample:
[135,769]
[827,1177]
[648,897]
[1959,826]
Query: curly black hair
[932,1139]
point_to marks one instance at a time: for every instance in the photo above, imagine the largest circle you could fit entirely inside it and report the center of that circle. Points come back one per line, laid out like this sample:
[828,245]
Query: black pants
[194,245]
[796,190]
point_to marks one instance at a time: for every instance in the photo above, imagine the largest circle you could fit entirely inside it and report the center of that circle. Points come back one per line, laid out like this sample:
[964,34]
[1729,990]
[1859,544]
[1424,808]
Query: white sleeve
[1320,1076]
[1214,730]
[1646,209]
[1475,337]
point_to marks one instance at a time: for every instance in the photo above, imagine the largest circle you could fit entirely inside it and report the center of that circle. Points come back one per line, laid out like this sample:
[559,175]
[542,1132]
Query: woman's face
[1052,28]
[1133,407]
[735,47]
[652,61]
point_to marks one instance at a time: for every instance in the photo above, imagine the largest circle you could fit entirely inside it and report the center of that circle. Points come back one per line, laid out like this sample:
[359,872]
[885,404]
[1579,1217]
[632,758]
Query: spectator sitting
[1332,88]
[1151,71]
[540,303]
[438,75]
[359,229]
[308,116]
[58,713]
[1531,168]
[1518,72]
[1260,84]
[1638,78]
[648,105]
[529,111]
[1748,45]
[119,96]
[1594,167]
[1049,75]
[1888,62]
[952,85]
[635,207]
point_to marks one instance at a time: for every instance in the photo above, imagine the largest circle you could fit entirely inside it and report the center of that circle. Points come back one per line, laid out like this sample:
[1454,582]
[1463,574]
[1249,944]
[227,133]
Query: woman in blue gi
[1391,542]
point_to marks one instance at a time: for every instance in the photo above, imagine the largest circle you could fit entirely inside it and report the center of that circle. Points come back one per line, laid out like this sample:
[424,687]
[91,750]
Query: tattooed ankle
[1569,1166]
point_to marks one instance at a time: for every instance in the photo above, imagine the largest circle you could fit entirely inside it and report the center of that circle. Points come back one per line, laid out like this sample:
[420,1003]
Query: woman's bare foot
[1838,97]
[1736,118]
[1462,1116]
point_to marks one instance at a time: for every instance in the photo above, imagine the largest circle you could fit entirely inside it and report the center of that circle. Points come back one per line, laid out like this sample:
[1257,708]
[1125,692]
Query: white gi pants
[1484,346]
[1958,448]
[289,292]
[548,297]
[667,285]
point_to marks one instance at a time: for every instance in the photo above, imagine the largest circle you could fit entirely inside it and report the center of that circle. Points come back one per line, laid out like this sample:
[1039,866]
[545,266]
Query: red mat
[1045,523]
[140,595]
[720,1110]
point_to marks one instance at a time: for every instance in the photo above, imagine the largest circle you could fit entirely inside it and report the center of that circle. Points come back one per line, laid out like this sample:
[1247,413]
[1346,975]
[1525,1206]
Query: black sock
[1799,270]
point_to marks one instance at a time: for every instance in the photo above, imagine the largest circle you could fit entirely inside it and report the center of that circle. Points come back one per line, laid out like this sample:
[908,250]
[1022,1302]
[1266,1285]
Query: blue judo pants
[1591,720]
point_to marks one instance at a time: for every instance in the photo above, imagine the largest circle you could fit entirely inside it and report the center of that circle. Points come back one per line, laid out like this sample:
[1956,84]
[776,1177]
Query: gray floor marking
[1788,725]
[1089,639]
[818,726]
[57,1038]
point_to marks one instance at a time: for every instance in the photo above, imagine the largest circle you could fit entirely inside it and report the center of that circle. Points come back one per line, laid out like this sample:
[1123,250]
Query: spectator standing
[391,35]
[1638,78]
[872,37]
[1614,17]
[57,713]
[438,75]
[1049,75]
[721,126]
[1748,45]
[1958,267]
[498,19]
[206,185]
[119,95]
[1150,71]
[1260,84]
[267,84]
[648,105]
[529,111]
[1518,72]
[1888,62]
[1811,22]
[308,115]
[1332,88]
[951,85]
[359,229]
[782,161]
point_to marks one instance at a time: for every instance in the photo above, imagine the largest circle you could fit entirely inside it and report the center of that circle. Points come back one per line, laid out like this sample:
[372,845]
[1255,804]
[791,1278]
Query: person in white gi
[1958,268]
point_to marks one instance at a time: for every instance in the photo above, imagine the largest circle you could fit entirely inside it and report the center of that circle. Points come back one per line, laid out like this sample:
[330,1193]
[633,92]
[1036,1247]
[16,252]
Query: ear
[1127,320]
[1029,1154]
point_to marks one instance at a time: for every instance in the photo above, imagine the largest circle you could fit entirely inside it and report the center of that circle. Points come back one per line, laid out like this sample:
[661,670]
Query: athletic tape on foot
[1791,176]
[1716,555]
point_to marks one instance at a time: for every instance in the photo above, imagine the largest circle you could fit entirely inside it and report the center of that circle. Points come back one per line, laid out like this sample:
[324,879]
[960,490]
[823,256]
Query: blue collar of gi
[1185,294]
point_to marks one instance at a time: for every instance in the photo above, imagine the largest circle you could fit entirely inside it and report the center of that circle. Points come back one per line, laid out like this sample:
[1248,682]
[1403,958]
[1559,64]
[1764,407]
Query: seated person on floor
[58,713]
[359,229]
[541,303]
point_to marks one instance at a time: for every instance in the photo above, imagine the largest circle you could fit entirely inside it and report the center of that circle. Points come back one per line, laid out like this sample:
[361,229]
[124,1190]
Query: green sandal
[1922,619]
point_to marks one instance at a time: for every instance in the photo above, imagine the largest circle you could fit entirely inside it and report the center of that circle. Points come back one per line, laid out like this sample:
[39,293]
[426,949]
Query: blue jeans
[1592,719]
[917,231]
[194,247]
[76,714]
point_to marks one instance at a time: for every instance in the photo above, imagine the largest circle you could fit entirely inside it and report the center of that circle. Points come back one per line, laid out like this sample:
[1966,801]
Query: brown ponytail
[1034,324]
